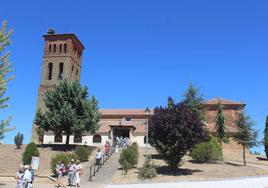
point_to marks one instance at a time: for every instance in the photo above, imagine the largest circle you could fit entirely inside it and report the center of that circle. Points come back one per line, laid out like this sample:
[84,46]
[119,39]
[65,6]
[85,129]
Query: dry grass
[189,171]
[11,158]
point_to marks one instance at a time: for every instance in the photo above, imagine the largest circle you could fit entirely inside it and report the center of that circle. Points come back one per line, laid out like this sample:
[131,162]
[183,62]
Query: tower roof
[52,36]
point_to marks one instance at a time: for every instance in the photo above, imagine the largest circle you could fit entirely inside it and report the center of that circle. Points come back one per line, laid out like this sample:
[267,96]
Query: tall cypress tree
[5,68]
[221,132]
[194,100]
[266,137]
[245,135]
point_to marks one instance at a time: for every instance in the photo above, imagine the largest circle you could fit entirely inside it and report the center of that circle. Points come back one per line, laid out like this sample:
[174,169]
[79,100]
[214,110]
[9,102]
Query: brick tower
[61,60]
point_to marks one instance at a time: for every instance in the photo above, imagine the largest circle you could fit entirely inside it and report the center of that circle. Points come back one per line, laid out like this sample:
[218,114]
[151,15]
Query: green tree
[266,137]
[5,70]
[194,100]
[174,131]
[245,135]
[18,139]
[221,132]
[30,151]
[69,111]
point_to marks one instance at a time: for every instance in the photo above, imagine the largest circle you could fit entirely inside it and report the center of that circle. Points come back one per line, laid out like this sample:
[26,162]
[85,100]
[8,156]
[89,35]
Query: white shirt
[78,167]
[99,155]
[27,176]
[72,167]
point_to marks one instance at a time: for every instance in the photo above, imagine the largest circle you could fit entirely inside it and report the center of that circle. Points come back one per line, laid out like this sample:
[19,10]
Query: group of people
[25,176]
[73,170]
[122,142]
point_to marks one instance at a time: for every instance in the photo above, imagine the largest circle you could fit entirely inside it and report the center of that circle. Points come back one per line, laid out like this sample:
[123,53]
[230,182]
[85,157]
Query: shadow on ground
[165,170]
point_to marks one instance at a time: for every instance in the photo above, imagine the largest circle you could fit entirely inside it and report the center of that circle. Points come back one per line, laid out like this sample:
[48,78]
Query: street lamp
[147,113]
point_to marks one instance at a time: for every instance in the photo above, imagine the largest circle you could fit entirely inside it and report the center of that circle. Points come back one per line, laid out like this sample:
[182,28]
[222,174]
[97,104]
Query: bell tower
[62,59]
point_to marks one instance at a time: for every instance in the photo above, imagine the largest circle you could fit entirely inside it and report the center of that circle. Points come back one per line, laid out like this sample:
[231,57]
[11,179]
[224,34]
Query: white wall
[86,140]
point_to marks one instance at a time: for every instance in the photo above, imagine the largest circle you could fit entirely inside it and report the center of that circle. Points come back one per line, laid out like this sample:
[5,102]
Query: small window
[54,48]
[128,118]
[50,48]
[72,69]
[77,138]
[50,68]
[65,48]
[58,138]
[97,138]
[60,48]
[61,76]
[144,140]
[77,72]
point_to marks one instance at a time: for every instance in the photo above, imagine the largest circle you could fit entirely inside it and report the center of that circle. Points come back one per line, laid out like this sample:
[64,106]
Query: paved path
[256,182]
[105,174]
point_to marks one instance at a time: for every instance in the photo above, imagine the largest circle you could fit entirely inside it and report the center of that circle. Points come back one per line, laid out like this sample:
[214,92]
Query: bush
[30,151]
[83,152]
[174,130]
[207,151]
[148,170]
[65,157]
[18,139]
[129,157]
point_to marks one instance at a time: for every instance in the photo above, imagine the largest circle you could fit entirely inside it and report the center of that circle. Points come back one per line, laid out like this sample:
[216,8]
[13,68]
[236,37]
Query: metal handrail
[94,168]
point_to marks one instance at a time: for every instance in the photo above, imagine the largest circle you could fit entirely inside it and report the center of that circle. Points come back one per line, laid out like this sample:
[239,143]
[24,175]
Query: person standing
[71,172]
[19,176]
[27,177]
[78,173]
[107,148]
[60,170]
[99,155]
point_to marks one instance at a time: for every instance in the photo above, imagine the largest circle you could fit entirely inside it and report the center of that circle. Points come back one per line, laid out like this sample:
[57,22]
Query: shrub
[148,170]
[65,157]
[18,139]
[83,152]
[135,154]
[207,151]
[30,151]
[129,157]
[174,130]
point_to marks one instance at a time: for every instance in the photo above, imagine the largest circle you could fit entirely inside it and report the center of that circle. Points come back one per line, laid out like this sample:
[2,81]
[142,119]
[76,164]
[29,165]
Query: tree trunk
[67,141]
[244,155]
[221,150]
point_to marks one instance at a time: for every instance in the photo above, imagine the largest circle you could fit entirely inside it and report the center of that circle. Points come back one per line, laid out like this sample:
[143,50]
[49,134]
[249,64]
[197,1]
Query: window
[60,76]
[128,118]
[144,140]
[50,68]
[72,69]
[97,138]
[65,48]
[54,48]
[58,138]
[49,48]
[77,138]
[60,48]
[77,72]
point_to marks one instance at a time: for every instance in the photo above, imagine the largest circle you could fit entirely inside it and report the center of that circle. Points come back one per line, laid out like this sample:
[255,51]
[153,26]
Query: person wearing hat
[27,177]
[78,173]
[71,172]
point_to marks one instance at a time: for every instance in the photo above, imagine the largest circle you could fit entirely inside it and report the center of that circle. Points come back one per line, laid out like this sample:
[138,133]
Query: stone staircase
[104,175]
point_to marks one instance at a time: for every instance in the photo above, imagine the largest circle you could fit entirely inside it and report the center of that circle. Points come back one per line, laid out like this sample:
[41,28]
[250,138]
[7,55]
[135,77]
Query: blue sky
[140,52]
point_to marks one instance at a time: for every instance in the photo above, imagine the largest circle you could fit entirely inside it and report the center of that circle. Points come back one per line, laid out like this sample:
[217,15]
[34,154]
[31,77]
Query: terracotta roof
[215,101]
[123,111]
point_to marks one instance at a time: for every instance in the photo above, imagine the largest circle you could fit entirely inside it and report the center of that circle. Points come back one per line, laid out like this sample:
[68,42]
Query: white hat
[26,166]
[72,160]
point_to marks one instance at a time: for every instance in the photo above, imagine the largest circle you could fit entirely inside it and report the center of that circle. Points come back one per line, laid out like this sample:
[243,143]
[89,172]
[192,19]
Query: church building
[62,59]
